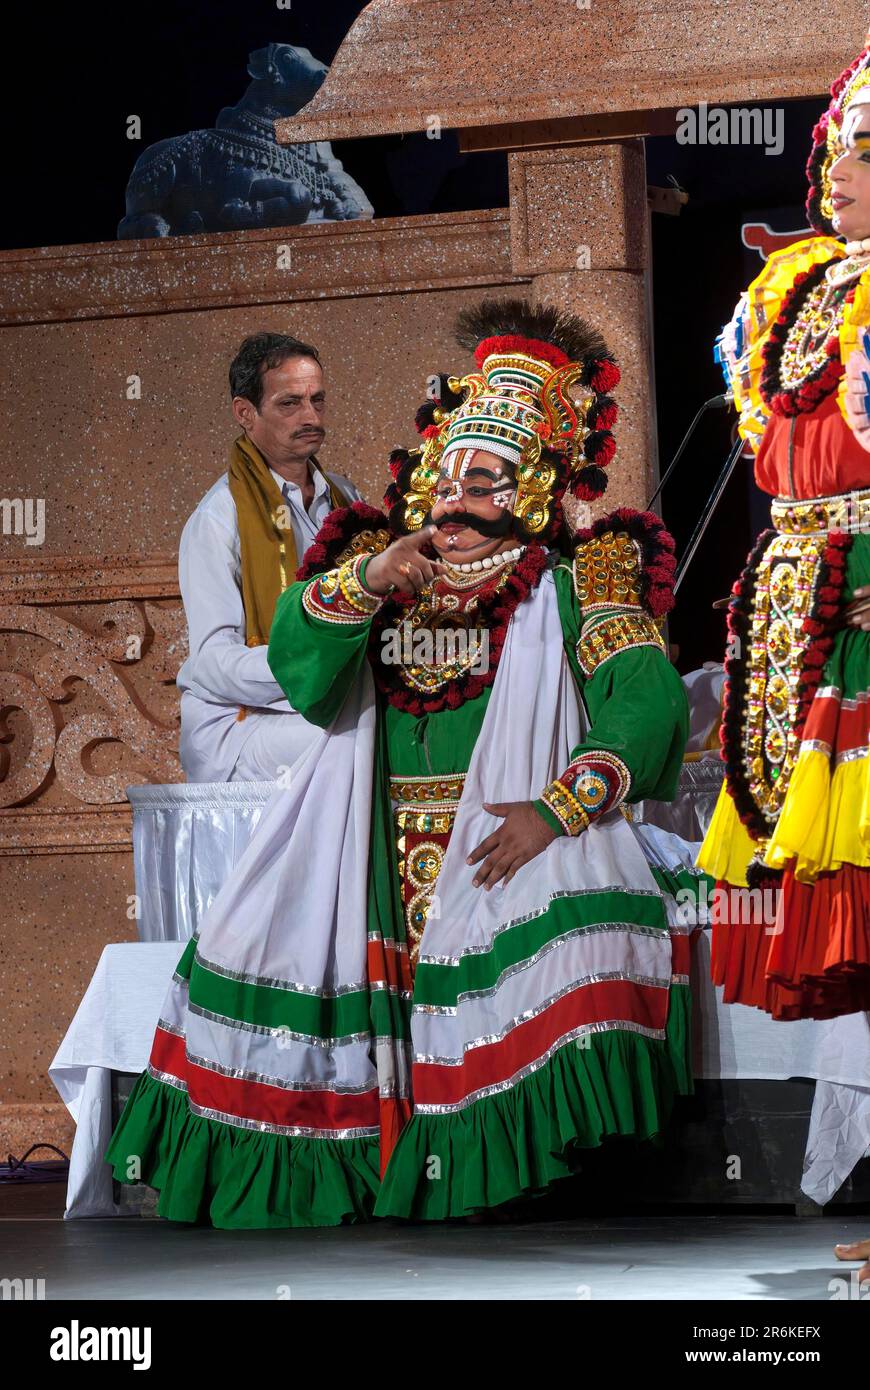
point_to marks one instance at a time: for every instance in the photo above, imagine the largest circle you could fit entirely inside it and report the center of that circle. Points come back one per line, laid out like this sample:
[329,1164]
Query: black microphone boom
[714,403]
[707,514]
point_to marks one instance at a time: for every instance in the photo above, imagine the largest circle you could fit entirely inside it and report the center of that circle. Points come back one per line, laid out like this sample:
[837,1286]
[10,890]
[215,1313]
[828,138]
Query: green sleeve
[637,709]
[548,816]
[314,661]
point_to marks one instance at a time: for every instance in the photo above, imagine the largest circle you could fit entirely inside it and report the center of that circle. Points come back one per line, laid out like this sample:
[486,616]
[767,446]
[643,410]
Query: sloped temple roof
[473,64]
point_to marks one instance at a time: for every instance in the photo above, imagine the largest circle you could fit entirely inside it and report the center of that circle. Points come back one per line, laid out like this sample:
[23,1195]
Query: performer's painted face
[850,176]
[474,498]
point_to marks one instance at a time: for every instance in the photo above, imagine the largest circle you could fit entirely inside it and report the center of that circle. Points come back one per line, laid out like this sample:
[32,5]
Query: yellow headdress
[539,400]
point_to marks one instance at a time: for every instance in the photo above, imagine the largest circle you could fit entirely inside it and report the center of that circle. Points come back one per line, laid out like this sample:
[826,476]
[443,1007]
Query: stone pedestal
[579,229]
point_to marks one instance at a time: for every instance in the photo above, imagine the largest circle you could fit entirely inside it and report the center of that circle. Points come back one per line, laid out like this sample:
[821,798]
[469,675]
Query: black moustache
[492,530]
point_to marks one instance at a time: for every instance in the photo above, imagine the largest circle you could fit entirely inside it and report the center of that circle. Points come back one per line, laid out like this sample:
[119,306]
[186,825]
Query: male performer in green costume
[443,965]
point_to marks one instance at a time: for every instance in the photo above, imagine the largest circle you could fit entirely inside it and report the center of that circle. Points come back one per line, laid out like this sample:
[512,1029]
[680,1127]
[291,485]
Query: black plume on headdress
[444,399]
[494,318]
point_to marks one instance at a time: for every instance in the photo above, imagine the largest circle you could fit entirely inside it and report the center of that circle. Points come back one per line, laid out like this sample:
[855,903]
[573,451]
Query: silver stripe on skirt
[284,1131]
[510,971]
[263,1079]
[166,1027]
[539,912]
[851,755]
[658,1035]
[267,982]
[528,1014]
[278,1030]
[389,943]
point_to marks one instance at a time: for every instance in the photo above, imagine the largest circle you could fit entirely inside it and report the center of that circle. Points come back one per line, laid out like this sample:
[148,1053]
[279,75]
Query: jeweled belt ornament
[846,511]
[780,634]
[424,810]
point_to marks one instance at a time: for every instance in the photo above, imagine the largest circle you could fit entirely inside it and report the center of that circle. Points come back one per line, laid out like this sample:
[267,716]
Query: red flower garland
[819,622]
[516,342]
[337,531]
[605,376]
[602,414]
[588,485]
[600,447]
[819,153]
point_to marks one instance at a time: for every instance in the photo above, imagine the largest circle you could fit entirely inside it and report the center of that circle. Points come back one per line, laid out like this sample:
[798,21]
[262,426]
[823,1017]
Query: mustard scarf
[268,551]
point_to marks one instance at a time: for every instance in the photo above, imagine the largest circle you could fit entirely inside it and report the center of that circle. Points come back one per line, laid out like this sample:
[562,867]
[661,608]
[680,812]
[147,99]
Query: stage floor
[675,1258]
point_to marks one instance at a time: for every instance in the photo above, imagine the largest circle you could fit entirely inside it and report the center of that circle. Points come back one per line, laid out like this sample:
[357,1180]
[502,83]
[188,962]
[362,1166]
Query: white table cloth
[114,1026]
[187,838]
[111,1031]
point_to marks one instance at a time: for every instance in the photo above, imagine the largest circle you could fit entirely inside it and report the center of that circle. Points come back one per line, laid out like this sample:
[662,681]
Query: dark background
[74,75]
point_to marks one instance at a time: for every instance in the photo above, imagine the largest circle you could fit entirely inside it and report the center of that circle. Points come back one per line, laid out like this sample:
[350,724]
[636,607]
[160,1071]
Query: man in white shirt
[239,548]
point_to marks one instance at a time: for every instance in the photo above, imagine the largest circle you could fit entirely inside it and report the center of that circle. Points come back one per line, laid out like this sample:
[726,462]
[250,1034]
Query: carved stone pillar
[579,229]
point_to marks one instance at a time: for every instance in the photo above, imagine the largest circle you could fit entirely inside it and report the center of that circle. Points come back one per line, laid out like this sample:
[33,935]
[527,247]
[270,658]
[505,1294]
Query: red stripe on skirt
[681,953]
[829,721]
[256,1100]
[819,966]
[646,1005]
[388,966]
[395,1114]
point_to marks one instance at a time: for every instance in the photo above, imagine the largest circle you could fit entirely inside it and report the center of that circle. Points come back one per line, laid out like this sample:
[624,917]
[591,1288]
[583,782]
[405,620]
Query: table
[187,838]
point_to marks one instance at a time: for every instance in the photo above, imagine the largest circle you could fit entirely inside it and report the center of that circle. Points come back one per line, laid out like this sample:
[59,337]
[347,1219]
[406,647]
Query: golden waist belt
[426,803]
[846,511]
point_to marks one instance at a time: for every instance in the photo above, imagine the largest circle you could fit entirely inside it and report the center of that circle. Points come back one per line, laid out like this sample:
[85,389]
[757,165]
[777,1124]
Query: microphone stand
[707,514]
[715,402]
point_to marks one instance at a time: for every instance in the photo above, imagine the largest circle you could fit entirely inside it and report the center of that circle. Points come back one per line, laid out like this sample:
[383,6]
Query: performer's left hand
[857,399]
[522,835]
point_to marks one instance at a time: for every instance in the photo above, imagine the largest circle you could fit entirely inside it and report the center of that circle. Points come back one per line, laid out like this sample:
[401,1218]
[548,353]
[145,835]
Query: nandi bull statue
[236,175]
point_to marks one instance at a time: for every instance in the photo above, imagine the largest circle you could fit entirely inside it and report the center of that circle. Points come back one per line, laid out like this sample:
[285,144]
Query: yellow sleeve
[740,347]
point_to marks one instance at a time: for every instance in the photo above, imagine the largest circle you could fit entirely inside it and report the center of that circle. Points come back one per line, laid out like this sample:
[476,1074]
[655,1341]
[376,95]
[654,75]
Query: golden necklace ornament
[445,611]
[806,347]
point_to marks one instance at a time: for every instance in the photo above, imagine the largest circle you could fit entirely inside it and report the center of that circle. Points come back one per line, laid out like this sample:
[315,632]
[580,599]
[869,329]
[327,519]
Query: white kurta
[221,673]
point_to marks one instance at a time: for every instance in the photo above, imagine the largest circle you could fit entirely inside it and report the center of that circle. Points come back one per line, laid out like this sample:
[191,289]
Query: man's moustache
[484,526]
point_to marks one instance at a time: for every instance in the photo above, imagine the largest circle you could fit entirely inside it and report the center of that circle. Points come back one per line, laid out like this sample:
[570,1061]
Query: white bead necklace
[852,265]
[489,562]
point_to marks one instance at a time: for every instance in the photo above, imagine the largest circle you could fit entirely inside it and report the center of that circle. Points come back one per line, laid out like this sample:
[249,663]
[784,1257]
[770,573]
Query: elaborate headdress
[850,88]
[540,400]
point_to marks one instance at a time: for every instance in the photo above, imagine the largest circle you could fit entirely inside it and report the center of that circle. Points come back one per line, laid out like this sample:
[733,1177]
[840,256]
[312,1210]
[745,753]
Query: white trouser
[276,741]
[216,746]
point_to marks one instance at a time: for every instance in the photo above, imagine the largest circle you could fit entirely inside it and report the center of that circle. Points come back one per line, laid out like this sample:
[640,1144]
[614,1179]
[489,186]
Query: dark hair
[258,354]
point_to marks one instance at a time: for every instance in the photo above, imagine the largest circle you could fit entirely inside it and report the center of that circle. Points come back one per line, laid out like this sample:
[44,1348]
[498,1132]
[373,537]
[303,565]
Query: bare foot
[858,1250]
